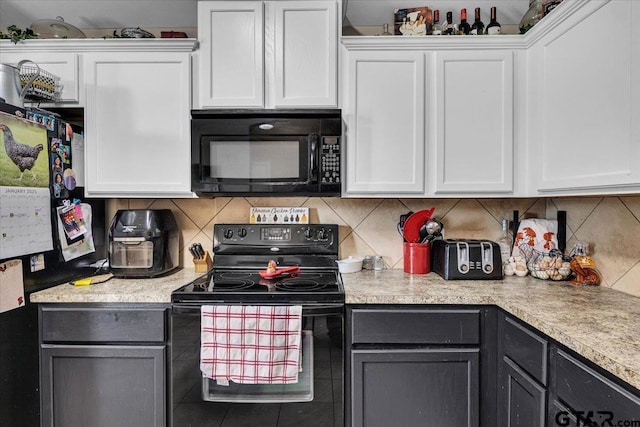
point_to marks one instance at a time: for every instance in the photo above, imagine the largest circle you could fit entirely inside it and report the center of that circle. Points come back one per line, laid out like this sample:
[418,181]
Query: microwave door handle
[314,144]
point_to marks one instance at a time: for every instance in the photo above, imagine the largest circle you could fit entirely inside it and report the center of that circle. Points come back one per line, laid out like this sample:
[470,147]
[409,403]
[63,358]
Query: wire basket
[546,265]
[38,84]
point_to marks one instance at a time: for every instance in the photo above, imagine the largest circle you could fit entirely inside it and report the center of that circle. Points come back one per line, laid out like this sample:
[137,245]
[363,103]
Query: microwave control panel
[330,155]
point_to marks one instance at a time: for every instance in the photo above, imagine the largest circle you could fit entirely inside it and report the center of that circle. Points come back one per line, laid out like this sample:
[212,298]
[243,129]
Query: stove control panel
[255,236]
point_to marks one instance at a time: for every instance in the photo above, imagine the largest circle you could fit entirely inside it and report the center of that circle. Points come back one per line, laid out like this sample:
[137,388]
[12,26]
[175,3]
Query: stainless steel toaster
[466,259]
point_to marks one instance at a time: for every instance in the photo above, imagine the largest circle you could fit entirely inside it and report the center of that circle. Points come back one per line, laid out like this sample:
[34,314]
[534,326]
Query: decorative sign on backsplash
[279,216]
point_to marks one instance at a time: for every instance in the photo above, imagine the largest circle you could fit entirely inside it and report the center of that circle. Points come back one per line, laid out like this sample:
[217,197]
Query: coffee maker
[143,243]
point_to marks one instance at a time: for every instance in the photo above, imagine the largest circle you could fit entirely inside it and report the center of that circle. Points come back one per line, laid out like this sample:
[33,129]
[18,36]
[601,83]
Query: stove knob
[242,233]
[228,233]
[308,233]
[322,234]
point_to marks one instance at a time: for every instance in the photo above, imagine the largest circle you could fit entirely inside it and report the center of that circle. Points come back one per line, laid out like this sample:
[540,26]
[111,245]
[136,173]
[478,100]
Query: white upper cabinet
[306,54]
[267,54]
[473,122]
[584,101]
[231,54]
[424,119]
[385,121]
[137,123]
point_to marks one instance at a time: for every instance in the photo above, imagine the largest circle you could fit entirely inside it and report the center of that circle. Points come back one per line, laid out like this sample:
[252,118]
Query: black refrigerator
[19,367]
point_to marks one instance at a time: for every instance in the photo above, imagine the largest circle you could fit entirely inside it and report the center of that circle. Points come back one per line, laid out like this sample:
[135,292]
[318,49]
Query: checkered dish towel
[251,344]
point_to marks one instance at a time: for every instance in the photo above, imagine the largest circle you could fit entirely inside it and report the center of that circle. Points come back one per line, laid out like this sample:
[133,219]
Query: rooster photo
[24,159]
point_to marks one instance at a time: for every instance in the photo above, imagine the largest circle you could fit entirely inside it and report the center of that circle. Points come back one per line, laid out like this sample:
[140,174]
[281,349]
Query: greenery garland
[16,34]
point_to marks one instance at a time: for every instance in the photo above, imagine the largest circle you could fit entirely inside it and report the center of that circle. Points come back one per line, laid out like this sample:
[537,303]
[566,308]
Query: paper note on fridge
[11,285]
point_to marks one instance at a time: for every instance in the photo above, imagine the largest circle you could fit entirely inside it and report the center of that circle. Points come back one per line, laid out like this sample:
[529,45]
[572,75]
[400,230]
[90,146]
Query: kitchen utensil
[193,252]
[350,265]
[403,219]
[56,29]
[433,227]
[411,229]
[279,271]
[199,250]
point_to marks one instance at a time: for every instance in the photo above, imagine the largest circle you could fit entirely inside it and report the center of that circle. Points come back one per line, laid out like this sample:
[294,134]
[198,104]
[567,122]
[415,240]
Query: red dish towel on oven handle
[251,344]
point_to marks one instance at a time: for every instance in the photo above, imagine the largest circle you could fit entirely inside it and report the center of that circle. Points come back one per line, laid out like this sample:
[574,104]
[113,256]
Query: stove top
[243,250]
[223,285]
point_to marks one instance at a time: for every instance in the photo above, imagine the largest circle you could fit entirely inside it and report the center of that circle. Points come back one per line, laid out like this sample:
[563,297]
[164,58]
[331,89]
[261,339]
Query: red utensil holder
[417,258]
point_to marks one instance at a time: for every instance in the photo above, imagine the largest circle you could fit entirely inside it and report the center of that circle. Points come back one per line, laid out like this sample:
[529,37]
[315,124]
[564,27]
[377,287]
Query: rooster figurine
[23,155]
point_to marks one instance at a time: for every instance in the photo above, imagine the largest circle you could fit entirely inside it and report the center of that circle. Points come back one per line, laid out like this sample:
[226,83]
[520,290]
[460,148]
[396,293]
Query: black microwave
[266,152]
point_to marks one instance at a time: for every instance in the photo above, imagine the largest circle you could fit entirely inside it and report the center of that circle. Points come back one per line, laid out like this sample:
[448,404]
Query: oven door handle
[319,309]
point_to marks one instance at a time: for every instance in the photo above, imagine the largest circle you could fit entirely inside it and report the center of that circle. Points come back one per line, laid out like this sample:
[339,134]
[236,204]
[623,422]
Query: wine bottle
[464,28]
[494,26]
[449,27]
[436,30]
[477,28]
[505,241]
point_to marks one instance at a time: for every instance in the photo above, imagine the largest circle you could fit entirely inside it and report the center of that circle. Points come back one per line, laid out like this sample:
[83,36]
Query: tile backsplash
[611,225]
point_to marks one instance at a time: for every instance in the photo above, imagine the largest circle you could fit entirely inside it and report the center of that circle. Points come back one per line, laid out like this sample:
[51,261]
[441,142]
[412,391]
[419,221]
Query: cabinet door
[385,123]
[474,122]
[415,387]
[62,64]
[305,54]
[137,124]
[521,400]
[103,386]
[231,58]
[584,133]
[592,395]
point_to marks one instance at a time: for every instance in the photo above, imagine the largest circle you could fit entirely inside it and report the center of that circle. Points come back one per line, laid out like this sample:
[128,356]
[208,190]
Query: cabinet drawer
[526,348]
[584,389]
[400,326]
[70,324]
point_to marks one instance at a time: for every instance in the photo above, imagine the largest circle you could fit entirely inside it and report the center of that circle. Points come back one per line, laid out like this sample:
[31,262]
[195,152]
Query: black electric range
[242,250]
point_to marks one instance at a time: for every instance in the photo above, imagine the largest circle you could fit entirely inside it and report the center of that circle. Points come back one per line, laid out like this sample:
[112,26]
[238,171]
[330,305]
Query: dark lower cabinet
[410,366]
[542,383]
[406,366]
[522,374]
[417,387]
[84,385]
[103,365]
[522,399]
[589,395]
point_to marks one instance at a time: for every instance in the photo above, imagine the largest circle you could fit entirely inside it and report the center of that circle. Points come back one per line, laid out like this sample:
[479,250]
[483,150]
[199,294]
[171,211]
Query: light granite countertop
[601,324]
[115,290]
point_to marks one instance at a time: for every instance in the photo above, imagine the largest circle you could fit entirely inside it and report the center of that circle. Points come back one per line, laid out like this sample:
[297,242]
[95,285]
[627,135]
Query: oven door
[302,391]
[317,399]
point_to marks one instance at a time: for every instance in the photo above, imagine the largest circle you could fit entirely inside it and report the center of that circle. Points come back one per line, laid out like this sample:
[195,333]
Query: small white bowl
[350,265]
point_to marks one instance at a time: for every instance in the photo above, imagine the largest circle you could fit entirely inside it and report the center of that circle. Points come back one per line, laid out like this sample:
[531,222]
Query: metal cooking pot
[11,90]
